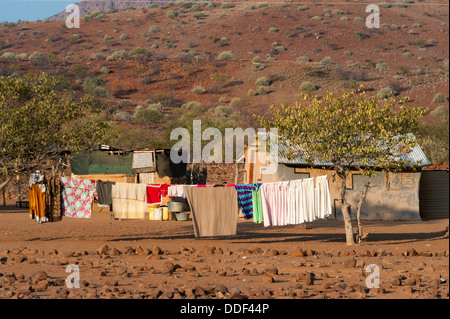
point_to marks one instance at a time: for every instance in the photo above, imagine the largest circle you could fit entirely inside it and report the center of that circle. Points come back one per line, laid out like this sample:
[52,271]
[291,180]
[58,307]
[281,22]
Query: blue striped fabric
[244,194]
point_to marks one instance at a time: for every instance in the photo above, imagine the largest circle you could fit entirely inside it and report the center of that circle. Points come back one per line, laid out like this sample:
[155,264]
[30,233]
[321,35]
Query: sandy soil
[163,259]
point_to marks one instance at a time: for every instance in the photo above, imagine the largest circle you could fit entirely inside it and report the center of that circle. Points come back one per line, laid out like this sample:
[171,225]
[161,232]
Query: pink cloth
[77,196]
[274,197]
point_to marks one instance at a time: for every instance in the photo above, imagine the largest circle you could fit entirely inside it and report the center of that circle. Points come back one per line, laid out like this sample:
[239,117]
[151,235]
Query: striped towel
[245,202]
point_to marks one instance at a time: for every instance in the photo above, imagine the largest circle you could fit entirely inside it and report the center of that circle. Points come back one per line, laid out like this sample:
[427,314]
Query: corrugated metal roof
[415,157]
[143,159]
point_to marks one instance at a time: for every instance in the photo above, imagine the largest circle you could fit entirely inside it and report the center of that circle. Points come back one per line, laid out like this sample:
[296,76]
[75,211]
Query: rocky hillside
[158,67]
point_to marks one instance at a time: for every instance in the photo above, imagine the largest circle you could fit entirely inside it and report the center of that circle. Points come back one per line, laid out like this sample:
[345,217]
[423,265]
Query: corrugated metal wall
[433,195]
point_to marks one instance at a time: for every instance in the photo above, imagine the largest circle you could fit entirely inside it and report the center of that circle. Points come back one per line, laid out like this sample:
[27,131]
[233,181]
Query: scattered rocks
[267,279]
[103,250]
[349,263]
[37,276]
[271,271]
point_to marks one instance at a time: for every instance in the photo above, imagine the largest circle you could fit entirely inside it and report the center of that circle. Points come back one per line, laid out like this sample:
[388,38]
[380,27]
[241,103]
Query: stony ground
[162,259]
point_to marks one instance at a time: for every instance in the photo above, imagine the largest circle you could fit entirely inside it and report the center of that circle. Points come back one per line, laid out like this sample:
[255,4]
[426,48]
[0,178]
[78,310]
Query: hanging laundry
[37,202]
[53,189]
[322,198]
[176,191]
[244,196]
[155,193]
[104,192]
[77,196]
[36,178]
[308,195]
[274,199]
[129,200]
[257,204]
[214,210]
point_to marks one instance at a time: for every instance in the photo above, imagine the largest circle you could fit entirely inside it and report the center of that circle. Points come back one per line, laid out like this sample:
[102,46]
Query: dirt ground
[140,259]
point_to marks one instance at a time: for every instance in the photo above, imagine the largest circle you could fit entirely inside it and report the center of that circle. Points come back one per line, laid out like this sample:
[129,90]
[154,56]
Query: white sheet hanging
[322,197]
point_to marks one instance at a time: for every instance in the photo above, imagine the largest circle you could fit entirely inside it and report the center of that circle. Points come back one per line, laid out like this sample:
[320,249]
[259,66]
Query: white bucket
[157,214]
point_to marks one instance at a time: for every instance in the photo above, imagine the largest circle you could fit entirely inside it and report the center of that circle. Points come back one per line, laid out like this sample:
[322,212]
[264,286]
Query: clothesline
[273,204]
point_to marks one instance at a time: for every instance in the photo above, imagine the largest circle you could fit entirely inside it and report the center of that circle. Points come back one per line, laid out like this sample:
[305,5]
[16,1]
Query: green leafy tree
[39,118]
[349,131]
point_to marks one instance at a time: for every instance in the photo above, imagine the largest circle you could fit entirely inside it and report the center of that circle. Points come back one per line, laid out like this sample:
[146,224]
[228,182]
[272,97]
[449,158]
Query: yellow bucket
[150,209]
[165,212]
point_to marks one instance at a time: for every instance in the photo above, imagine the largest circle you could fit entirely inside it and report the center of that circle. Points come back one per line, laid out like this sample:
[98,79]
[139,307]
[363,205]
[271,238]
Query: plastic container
[150,210]
[175,206]
[165,212]
[182,216]
[157,214]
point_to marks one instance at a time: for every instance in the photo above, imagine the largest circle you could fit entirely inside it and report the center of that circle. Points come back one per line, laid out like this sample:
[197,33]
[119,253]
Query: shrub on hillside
[226,55]
[439,98]
[385,93]
[308,87]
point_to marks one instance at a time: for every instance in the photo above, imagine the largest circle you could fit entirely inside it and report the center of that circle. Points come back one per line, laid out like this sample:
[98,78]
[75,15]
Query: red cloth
[155,192]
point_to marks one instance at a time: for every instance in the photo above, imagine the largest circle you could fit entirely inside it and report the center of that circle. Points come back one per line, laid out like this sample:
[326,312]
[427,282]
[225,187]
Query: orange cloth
[37,203]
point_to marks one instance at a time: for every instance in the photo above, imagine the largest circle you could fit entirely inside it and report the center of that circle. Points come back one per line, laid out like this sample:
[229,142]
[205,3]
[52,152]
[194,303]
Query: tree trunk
[361,236]
[4,183]
[346,210]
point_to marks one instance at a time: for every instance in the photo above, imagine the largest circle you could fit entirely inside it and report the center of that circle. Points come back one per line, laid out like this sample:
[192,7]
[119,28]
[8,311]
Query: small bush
[153,29]
[8,56]
[107,38]
[327,61]
[349,84]
[171,14]
[358,19]
[400,5]
[262,81]
[256,59]
[226,5]
[198,89]
[74,38]
[384,5]
[439,98]
[222,111]
[445,65]
[98,56]
[51,38]
[308,87]
[385,93]
[251,92]
[226,56]
[147,115]
[101,92]
[117,55]
[302,59]
[382,66]
[439,111]
[337,12]
[261,90]
[104,70]
[123,37]
[302,8]
[237,103]
[316,18]
[273,29]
